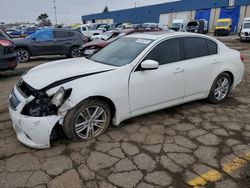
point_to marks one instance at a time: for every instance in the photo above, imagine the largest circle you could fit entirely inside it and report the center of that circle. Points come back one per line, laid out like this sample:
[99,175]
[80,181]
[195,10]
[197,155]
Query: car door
[63,41]
[155,89]
[200,60]
[43,43]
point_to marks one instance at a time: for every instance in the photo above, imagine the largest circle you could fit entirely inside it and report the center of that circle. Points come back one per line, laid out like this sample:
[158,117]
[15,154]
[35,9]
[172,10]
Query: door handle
[178,70]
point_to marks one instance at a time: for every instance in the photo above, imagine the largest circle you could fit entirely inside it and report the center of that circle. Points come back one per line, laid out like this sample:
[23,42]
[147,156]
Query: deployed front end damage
[34,113]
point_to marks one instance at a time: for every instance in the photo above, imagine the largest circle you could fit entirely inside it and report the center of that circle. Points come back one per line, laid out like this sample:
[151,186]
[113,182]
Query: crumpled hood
[48,73]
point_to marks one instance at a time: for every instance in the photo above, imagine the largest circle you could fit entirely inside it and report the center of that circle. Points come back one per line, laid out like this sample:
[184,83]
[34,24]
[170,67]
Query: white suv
[245,30]
[134,75]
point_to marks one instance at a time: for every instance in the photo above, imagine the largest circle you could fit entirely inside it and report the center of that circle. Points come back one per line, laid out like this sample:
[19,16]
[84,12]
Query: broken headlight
[58,98]
[43,105]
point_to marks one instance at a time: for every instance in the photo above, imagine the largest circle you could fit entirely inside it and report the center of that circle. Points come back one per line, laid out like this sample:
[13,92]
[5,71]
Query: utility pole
[54,1]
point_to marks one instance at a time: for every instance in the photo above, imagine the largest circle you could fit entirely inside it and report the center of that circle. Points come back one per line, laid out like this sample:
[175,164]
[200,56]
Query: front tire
[220,89]
[23,55]
[87,120]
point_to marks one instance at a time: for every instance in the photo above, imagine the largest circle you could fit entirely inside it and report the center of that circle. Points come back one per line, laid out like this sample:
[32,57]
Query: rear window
[212,47]
[63,34]
[195,47]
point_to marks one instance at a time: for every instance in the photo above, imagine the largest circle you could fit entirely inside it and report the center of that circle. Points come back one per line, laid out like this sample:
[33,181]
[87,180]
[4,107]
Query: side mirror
[149,65]
[34,39]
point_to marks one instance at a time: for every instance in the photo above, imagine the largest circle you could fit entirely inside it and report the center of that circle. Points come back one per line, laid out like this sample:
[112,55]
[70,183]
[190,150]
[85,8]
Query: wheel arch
[108,101]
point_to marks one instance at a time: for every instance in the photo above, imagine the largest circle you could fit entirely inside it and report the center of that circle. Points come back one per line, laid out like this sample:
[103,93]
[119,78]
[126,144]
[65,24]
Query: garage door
[233,13]
[164,19]
[183,15]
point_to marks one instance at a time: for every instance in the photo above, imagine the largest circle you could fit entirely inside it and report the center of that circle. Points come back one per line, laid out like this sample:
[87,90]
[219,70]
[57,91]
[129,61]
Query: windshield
[246,25]
[176,25]
[121,52]
[222,24]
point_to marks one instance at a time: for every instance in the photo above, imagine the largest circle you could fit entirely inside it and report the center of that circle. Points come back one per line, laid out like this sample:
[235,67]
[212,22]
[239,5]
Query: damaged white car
[134,75]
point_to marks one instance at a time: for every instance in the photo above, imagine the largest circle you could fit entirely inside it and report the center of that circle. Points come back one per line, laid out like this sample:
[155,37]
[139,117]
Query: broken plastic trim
[41,105]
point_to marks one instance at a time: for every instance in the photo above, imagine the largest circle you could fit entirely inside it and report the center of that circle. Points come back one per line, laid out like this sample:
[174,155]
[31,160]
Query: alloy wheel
[75,52]
[90,122]
[222,88]
[23,55]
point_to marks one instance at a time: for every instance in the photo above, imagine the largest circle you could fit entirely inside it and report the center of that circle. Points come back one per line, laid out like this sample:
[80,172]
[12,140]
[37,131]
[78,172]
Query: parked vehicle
[179,24]
[245,30]
[8,57]
[96,45]
[93,29]
[114,26]
[134,75]
[106,35]
[14,33]
[150,25]
[197,26]
[223,27]
[49,42]
[28,31]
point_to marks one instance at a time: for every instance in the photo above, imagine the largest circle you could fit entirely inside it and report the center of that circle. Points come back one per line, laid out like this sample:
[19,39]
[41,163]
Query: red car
[96,45]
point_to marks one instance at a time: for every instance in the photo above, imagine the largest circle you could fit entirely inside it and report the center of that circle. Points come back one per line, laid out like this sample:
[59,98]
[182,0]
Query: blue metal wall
[151,13]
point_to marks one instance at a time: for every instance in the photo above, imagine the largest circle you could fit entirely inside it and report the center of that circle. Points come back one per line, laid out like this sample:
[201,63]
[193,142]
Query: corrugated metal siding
[151,13]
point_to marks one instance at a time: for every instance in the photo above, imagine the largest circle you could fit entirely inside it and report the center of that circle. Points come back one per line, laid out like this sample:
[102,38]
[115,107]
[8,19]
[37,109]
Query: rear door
[201,58]
[63,41]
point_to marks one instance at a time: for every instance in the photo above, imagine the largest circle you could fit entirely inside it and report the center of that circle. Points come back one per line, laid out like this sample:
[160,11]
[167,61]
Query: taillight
[6,43]
[242,58]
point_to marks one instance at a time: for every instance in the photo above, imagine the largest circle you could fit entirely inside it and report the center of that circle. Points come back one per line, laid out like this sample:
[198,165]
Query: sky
[68,11]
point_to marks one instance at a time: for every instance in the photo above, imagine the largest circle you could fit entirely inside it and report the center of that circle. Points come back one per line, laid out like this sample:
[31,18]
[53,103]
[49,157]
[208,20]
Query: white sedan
[134,75]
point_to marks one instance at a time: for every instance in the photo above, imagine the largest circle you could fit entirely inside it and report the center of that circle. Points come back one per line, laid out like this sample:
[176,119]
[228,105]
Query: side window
[194,47]
[61,34]
[166,52]
[212,47]
[45,36]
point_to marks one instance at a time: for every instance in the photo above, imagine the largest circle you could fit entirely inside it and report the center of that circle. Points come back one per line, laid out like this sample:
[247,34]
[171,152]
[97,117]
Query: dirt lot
[192,145]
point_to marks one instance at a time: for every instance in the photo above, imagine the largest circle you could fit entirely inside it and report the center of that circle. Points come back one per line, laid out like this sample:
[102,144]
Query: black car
[197,26]
[8,57]
[49,42]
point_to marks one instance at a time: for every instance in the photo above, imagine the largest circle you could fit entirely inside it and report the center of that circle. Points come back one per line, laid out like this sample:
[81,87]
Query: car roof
[163,34]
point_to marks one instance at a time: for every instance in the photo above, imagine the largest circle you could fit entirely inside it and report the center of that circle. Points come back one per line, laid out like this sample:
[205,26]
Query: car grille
[14,101]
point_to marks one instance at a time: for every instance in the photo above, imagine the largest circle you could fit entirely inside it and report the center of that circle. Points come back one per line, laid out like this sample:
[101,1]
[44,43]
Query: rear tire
[89,119]
[220,89]
[74,52]
[23,55]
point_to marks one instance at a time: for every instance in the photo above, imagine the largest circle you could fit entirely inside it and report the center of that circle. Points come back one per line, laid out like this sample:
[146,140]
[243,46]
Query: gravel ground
[175,147]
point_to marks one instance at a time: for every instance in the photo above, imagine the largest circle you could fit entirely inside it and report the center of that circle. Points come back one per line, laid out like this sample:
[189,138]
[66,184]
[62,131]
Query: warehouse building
[165,13]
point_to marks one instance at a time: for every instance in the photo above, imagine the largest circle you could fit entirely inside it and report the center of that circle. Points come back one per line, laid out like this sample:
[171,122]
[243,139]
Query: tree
[106,9]
[44,20]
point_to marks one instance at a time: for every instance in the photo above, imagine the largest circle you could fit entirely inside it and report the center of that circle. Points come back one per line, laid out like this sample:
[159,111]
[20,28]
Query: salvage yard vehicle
[90,30]
[197,26]
[94,46]
[245,30]
[49,42]
[134,75]
[8,56]
[179,24]
[223,27]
